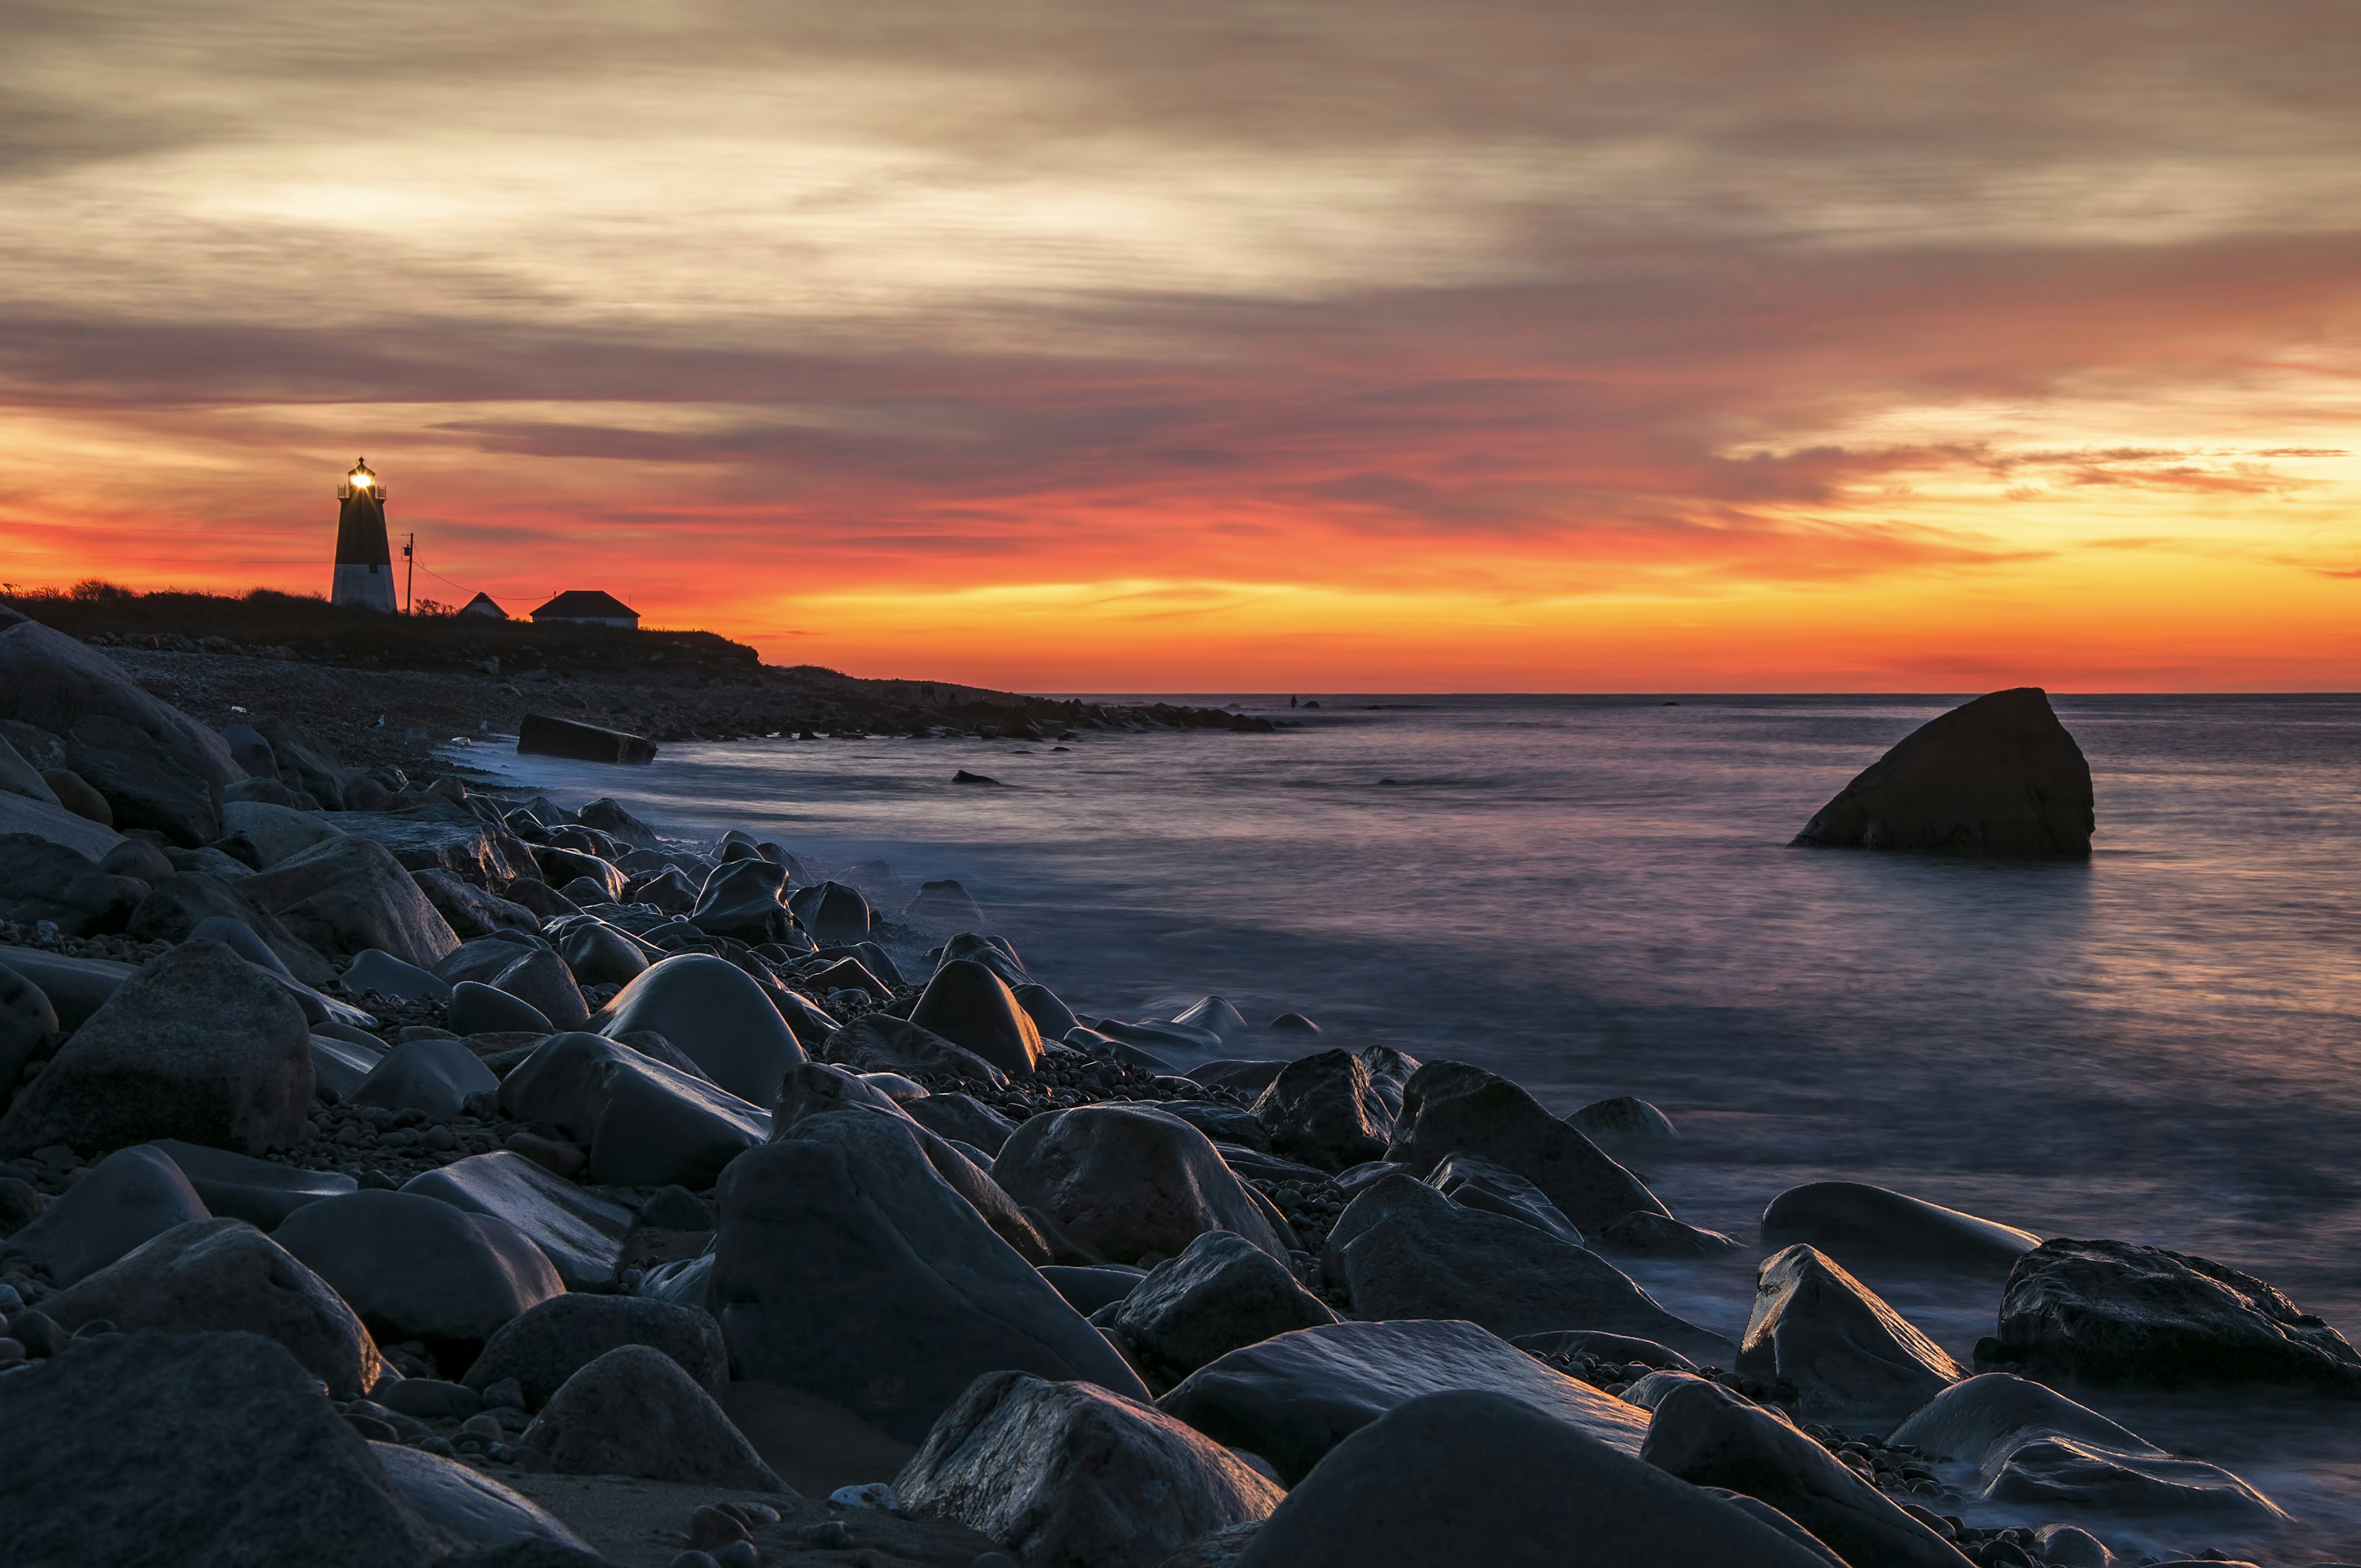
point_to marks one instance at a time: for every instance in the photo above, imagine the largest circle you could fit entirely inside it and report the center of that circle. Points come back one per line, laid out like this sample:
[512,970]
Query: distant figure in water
[1290,702]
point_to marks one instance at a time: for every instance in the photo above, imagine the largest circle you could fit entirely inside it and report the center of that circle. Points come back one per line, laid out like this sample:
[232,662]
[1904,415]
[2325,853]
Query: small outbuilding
[482,605]
[587,606]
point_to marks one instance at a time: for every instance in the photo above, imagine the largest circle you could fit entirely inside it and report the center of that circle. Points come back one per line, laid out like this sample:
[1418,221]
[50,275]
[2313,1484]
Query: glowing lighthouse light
[364,564]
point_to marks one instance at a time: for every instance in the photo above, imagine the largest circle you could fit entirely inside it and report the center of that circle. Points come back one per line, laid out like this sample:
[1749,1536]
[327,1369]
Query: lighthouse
[364,563]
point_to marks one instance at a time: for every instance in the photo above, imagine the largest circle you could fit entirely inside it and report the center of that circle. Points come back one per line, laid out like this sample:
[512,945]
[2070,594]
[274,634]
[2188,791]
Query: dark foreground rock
[1322,1111]
[2119,1312]
[1863,1226]
[417,1269]
[130,1196]
[1222,1293]
[1450,1107]
[548,1343]
[1998,776]
[219,1275]
[713,1014]
[1851,1356]
[1068,1475]
[580,1233]
[847,1267]
[479,1522]
[635,1412]
[345,896]
[205,1451]
[1474,1477]
[1294,1397]
[645,1124]
[1129,1180]
[971,1007]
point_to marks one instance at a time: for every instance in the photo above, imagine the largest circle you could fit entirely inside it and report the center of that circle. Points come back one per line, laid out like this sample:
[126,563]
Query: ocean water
[1596,896]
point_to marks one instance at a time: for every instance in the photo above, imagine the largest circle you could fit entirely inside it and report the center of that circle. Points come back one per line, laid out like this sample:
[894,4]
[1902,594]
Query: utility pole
[410,553]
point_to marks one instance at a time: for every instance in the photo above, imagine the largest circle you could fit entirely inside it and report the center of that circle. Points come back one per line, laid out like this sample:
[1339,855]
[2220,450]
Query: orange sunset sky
[1528,346]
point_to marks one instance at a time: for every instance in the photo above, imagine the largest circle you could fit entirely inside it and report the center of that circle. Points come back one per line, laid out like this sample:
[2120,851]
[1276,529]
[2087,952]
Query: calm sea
[1596,896]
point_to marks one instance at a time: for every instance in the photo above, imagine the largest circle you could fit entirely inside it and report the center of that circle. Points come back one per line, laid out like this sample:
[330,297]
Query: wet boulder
[645,1124]
[439,837]
[197,1044]
[846,1266]
[192,1449]
[346,895]
[1863,1226]
[188,904]
[1403,1250]
[610,817]
[479,1009]
[1126,1180]
[1709,1437]
[667,889]
[879,1042]
[1293,1397]
[745,900]
[2110,1312]
[532,973]
[1449,1108]
[278,832]
[144,783]
[580,1233]
[1475,1183]
[1221,1294]
[1996,777]
[207,1275]
[416,1268]
[1625,1117]
[373,970]
[964,1119]
[970,1005]
[468,909]
[479,1522]
[547,1344]
[833,913]
[1476,1476]
[635,1412]
[432,1077]
[42,880]
[599,954]
[1067,1472]
[2035,1448]
[130,1196]
[1849,1354]
[1643,1233]
[713,1013]
[1049,1012]
[1322,1111]
[260,1191]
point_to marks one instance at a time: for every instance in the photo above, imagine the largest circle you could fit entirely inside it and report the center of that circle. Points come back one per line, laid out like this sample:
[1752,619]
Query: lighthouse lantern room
[364,563]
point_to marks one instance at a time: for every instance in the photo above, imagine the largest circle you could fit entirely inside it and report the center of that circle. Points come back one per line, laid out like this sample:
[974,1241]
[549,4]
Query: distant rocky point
[1998,777]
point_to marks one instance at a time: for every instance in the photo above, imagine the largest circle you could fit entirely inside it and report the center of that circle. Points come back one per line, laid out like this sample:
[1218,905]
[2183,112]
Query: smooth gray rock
[443,837]
[879,1042]
[523,969]
[306,763]
[75,987]
[340,1066]
[195,1449]
[319,1008]
[1646,1234]
[715,1014]
[546,1345]
[1050,1015]
[1863,1226]
[260,1191]
[746,900]
[279,832]
[469,910]
[416,1268]
[1222,1293]
[1323,1111]
[1067,1472]
[668,890]
[1091,1288]
[28,1020]
[127,1198]
[1558,1343]
[207,1276]
[2114,1311]
[40,879]
[198,1045]
[479,1009]
[1403,1250]
[1850,1355]
[1473,1182]
[964,1118]
[435,1077]
[846,1266]
[832,912]
[610,817]
[1625,1117]
[599,954]
[19,777]
[1293,1397]
[646,1124]
[970,1005]
[1450,1108]
[2035,1447]
[1126,1180]
[1995,777]
[559,867]
[347,895]
[1478,1477]
[580,1233]
[144,783]
[376,970]
[462,1510]
[195,903]
[1709,1437]
[635,1412]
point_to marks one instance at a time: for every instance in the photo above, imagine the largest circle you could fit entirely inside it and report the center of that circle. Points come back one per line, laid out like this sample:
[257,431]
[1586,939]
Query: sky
[1459,345]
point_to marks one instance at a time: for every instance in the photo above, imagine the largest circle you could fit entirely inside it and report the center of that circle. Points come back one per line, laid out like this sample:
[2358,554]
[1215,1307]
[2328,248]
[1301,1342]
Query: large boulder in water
[1403,1250]
[1449,1107]
[1998,776]
[1863,1226]
[1293,1397]
[714,1013]
[52,682]
[1475,1477]
[1709,1437]
[1066,1473]
[970,1005]
[345,896]
[635,1412]
[2109,1311]
[845,1266]
[205,1451]
[1849,1354]
[198,1045]
[1126,1180]
[2035,1447]
[217,1275]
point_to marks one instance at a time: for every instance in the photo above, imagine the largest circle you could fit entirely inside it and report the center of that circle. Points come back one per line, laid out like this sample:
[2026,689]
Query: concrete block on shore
[541,735]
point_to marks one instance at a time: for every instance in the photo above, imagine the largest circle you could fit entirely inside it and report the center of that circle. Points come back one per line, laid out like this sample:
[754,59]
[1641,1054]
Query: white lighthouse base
[365,587]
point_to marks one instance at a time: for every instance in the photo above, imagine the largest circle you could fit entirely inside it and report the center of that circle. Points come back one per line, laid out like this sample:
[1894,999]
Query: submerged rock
[1475,1477]
[1068,1474]
[1998,776]
[1848,1354]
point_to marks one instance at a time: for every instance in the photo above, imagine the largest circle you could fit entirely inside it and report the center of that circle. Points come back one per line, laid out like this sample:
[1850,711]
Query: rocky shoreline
[395,1171]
